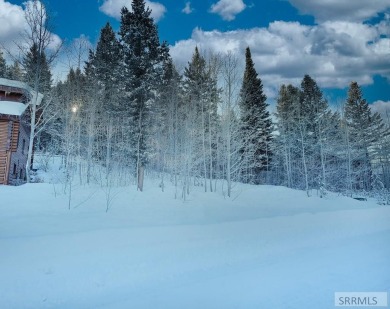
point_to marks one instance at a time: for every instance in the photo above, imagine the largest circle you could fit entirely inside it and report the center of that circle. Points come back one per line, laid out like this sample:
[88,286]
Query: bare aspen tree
[37,35]
[230,127]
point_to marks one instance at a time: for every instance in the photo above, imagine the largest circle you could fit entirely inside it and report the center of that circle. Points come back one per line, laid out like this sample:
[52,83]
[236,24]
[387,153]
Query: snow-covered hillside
[269,247]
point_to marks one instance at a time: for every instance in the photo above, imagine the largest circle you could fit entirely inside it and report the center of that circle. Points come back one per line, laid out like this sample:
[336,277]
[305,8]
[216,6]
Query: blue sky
[335,41]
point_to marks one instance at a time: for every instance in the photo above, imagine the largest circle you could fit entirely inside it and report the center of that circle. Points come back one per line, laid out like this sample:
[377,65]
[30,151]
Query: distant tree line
[317,148]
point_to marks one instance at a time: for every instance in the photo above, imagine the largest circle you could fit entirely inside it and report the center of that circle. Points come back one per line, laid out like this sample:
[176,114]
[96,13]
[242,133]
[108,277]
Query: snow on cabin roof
[13,83]
[12,108]
[17,108]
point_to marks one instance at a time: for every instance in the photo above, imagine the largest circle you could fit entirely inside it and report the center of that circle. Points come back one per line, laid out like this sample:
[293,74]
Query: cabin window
[14,170]
[23,145]
[21,174]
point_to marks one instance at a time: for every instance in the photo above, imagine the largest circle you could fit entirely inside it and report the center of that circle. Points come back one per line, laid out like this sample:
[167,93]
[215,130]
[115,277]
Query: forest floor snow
[268,247]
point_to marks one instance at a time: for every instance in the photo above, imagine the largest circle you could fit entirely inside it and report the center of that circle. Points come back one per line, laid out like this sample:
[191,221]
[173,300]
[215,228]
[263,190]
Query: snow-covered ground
[269,247]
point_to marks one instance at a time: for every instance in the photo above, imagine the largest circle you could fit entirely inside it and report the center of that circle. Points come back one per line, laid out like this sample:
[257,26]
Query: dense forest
[129,112]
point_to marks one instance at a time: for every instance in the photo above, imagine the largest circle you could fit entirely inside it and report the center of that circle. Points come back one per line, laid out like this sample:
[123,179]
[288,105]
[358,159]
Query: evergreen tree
[102,66]
[141,52]
[15,72]
[363,129]
[200,115]
[3,66]
[256,124]
[287,153]
[313,109]
[102,73]
[168,122]
[308,139]
[312,105]
[37,70]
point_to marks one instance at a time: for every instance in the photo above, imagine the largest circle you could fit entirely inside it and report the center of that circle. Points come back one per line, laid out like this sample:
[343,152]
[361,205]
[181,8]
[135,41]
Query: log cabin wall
[5,141]
[13,151]
[17,167]
[14,136]
[14,97]
[11,94]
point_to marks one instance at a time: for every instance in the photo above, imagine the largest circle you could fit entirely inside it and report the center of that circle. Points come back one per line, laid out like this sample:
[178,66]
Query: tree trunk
[141,171]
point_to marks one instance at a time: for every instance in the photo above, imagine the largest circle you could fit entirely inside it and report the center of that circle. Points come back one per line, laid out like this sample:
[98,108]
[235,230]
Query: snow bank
[269,247]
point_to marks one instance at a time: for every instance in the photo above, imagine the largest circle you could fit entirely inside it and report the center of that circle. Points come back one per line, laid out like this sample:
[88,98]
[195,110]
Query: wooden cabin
[15,97]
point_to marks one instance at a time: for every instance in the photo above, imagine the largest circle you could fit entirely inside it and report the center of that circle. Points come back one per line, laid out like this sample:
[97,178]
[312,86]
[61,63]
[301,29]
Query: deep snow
[269,247]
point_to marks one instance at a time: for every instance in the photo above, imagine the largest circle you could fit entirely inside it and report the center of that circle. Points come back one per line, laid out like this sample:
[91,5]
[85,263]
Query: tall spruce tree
[312,104]
[141,52]
[308,139]
[3,66]
[34,61]
[363,129]
[102,74]
[168,122]
[313,108]
[288,119]
[15,71]
[200,115]
[102,66]
[256,124]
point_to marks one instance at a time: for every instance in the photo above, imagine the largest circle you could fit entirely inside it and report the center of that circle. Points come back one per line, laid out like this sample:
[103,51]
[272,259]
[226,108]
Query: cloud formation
[113,8]
[187,9]
[383,108]
[334,53]
[228,9]
[14,28]
[11,20]
[346,10]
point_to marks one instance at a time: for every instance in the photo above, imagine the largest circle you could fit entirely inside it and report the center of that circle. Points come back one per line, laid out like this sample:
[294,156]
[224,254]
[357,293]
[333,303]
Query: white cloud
[11,20]
[334,53]
[383,108]
[113,8]
[346,10]
[187,9]
[228,9]
[14,28]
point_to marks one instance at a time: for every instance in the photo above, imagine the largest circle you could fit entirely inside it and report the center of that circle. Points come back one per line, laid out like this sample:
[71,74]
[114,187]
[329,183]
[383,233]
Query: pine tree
[33,62]
[363,130]
[312,104]
[102,66]
[287,125]
[201,116]
[256,124]
[15,72]
[313,109]
[168,120]
[3,66]
[141,52]
[308,139]
[102,75]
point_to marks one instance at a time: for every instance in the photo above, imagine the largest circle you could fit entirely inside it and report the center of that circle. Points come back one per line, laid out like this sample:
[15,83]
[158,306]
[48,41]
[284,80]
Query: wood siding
[15,136]
[4,155]
[11,94]
[13,151]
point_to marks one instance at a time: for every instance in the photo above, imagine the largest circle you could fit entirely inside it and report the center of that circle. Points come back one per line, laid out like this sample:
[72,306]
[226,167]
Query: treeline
[130,110]
[344,151]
